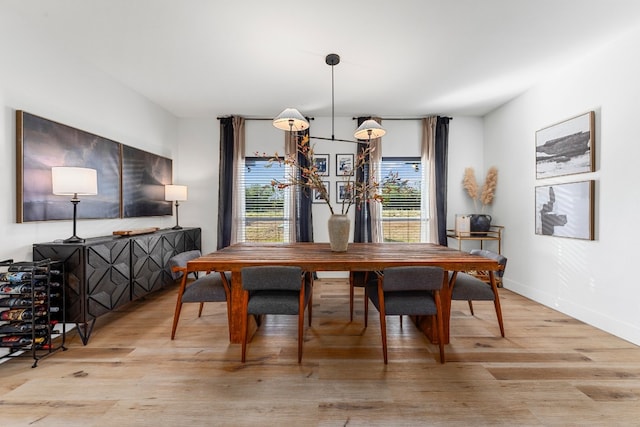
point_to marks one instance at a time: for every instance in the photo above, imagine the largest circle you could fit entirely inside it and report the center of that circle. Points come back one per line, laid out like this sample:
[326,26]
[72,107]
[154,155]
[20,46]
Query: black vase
[479,224]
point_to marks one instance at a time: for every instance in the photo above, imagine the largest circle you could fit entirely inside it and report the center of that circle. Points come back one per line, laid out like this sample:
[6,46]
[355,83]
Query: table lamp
[175,193]
[74,182]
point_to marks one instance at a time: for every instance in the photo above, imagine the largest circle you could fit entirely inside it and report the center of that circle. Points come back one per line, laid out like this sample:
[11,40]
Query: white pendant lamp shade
[369,129]
[291,119]
[175,193]
[69,181]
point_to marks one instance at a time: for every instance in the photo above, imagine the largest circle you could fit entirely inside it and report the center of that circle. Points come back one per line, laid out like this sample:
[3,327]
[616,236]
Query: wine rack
[31,309]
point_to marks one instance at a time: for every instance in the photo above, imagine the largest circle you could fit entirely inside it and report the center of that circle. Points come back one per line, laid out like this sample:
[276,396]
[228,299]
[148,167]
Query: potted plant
[480,222]
[304,173]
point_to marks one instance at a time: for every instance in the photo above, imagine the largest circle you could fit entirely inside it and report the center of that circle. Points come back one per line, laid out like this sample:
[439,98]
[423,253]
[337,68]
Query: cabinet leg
[85,329]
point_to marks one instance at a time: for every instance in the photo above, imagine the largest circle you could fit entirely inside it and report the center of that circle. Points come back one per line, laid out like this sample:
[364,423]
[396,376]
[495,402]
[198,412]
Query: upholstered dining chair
[411,290]
[276,290]
[477,286]
[210,287]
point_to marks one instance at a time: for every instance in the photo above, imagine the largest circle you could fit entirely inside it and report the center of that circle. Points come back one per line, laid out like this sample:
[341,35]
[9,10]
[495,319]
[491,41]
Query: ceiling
[402,58]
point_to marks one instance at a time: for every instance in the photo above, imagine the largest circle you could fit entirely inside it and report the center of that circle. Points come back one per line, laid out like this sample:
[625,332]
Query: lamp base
[176,227]
[73,239]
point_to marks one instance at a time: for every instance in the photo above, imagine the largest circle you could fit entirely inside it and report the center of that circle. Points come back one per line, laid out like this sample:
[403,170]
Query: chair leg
[470,307]
[496,303]
[366,307]
[176,317]
[200,309]
[176,314]
[301,321]
[351,296]
[245,326]
[300,334]
[439,322]
[311,302]
[383,323]
[401,321]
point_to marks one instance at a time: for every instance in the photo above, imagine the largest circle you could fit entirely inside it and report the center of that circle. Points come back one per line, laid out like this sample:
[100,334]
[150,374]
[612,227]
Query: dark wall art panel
[144,176]
[42,144]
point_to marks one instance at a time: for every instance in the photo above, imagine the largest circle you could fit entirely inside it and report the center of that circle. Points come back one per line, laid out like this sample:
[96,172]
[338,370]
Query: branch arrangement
[355,193]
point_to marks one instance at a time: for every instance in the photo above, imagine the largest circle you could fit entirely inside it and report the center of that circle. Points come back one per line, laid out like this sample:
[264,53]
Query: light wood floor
[551,370]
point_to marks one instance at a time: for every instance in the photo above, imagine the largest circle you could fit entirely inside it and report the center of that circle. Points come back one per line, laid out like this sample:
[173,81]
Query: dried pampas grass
[487,193]
[489,187]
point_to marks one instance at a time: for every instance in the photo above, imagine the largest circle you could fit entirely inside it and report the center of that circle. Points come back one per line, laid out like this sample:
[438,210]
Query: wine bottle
[17,289]
[20,341]
[22,313]
[22,328]
[19,302]
[15,277]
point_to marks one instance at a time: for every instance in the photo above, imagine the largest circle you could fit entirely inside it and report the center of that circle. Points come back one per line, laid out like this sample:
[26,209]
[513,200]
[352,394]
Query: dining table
[315,257]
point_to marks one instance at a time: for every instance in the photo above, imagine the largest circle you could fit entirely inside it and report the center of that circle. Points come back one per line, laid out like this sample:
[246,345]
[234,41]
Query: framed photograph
[322,163]
[316,193]
[567,147]
[343,193]
[344,164]
[144,176]
[565,210]
[42,144]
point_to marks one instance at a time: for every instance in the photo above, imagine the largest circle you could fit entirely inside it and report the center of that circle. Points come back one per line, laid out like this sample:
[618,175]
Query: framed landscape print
[566,148]
[321,161]
[344,164]
[316,193]
[565,210]
[42,144]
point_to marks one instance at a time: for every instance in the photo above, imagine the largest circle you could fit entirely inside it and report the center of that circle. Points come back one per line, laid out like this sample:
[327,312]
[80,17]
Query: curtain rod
[353,118]
[256,118]
[403,118]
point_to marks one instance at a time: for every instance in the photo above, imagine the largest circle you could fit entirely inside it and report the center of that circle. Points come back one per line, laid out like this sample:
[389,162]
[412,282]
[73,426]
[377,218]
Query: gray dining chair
[201,288]
[477,286]
[410,290]
[276,289]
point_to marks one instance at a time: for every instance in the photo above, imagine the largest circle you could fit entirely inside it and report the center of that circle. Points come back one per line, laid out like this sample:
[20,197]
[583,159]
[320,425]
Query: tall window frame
[403,217]
[265,215]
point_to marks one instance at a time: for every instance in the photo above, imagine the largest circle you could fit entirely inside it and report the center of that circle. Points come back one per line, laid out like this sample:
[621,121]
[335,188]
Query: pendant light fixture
[291,119]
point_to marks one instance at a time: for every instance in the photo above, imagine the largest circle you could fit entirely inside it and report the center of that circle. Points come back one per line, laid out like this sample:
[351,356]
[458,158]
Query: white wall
[593,281]
[198,161]
[39,77]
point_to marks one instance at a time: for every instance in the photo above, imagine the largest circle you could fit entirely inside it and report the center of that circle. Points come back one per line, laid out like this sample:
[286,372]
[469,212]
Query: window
[264,206]
[401,184]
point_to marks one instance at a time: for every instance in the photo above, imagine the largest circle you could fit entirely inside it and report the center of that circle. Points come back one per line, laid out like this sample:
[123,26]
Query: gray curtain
[441,156]
[225,192]
[231,149]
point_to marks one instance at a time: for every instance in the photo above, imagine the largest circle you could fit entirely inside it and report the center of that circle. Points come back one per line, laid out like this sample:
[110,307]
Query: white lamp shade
[175,192]
[71,181]
[291,119]
[369,129]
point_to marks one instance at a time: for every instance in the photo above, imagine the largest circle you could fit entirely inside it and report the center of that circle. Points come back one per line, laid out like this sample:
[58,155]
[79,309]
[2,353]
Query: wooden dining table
[314,257]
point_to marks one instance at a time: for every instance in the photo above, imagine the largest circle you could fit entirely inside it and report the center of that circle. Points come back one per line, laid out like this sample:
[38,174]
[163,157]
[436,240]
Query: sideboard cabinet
[105,273]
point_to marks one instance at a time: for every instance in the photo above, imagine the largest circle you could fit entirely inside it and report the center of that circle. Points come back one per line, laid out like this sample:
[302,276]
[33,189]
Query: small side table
[494,234]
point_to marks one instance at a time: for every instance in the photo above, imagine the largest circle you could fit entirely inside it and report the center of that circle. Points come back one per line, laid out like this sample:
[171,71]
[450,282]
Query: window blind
[401,181]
